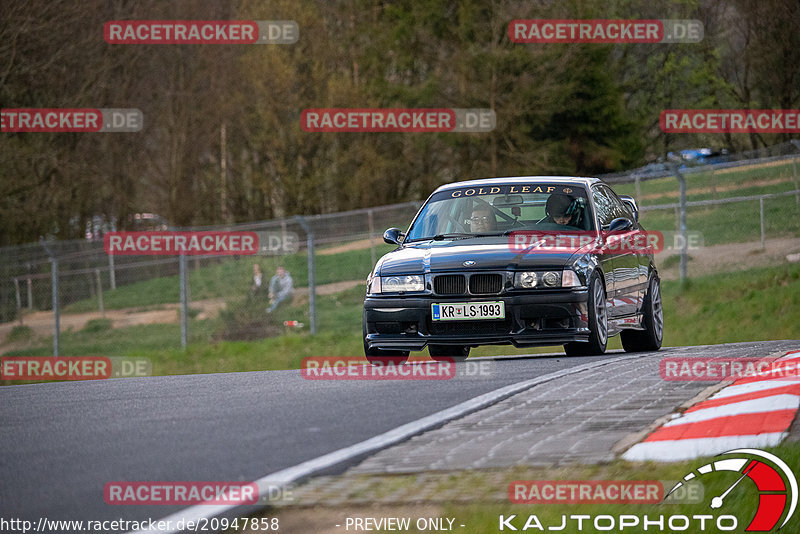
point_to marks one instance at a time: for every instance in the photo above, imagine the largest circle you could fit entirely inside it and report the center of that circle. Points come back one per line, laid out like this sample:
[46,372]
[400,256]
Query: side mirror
[620,224]
[393,236]
[631,202]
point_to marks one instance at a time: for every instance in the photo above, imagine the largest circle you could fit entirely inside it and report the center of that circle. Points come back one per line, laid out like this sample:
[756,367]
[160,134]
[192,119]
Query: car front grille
[479,284]
[450,284]
[485,284]
[469,327]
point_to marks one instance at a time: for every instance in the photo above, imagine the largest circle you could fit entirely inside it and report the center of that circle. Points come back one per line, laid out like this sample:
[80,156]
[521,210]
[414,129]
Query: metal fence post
[19,299]
[713,184]
[99,292]
[111,273]
[312,288]
[56,311]
[763,229]
[682,221]
[54,283]
[371,234]
[796,144]
[30,293]
[184,301]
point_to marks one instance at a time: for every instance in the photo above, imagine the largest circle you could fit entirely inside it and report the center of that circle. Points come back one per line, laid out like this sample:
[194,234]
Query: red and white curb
[752,412]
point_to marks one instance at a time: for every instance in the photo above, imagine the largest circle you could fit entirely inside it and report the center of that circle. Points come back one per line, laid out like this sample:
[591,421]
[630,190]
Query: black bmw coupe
[525,261]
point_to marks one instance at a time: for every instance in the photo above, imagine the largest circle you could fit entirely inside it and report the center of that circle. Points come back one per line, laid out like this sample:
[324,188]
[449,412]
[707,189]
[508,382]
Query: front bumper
[543,317]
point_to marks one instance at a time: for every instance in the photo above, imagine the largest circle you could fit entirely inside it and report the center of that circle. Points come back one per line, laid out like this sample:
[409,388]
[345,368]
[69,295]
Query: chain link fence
[704,201]
[175,300]
[166,302]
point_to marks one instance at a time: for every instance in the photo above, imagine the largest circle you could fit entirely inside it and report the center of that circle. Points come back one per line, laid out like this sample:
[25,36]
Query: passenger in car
[483,219]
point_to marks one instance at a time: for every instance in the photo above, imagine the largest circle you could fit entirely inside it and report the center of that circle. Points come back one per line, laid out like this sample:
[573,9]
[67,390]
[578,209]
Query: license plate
[467,311]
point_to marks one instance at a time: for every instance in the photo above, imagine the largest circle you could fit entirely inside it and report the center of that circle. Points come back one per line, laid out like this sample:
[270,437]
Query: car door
[604,211]
[628,287]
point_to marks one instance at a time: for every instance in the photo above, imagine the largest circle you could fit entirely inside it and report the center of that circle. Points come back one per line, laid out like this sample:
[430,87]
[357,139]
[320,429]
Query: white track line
[762,405]
[291,474]
[753,387]
[689,449]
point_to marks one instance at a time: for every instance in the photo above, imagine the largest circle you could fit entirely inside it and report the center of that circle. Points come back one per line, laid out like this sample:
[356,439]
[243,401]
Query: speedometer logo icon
[776,484]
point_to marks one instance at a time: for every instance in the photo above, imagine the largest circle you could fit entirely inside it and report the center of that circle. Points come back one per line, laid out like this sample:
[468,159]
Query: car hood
[488,254]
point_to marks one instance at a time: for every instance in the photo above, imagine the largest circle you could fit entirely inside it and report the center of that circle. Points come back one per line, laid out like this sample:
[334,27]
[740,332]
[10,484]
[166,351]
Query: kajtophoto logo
[71,120]
[775,482]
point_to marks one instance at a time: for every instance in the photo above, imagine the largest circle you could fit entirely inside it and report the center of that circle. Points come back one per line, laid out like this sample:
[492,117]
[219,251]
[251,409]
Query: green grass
[339,334]
[732,223]
[20,333]
[234,277]
[758,304]
[736,222]
[742,502]
[729,183]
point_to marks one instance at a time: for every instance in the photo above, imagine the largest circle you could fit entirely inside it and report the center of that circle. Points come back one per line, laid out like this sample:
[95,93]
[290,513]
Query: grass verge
[757,304]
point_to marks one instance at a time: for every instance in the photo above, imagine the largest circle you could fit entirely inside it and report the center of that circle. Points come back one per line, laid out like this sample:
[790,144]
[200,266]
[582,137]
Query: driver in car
[562,209]
[483,219]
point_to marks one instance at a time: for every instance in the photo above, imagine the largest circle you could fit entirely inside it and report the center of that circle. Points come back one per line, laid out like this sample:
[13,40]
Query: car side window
[620,208]
[603,205]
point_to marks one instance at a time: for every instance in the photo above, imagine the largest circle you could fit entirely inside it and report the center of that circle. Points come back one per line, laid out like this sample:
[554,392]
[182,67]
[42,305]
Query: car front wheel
[651,337]
[598,323]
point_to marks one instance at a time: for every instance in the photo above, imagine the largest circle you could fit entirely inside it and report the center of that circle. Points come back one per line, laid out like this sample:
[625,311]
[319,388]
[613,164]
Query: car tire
[381,356]
[650,338]
[457,353]
[598,322]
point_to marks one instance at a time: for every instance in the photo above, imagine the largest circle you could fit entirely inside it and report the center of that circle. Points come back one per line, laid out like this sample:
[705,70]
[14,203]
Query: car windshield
[498,209]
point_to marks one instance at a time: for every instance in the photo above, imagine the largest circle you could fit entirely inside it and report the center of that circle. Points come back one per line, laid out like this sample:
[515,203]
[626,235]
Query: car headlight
[546,279]
[527,279]
[402,284]
[569,278]
[374,286]
[551,279]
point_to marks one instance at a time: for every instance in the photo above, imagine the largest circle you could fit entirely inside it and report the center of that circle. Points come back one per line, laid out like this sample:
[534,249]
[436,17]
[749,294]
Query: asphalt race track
[62,442]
